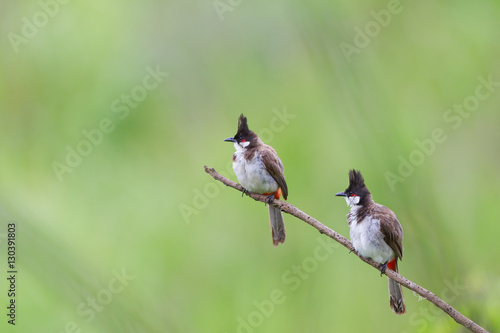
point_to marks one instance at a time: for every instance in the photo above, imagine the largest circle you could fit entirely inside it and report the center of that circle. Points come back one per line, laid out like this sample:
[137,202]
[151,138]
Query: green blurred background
[331,85]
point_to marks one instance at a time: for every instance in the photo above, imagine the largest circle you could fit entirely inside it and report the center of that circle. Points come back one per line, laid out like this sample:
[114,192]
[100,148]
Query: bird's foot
[383,267]
[245,191]
[269,198]
[353,249]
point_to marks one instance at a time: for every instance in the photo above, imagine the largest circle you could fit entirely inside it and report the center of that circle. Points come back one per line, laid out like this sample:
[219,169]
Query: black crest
[242,126]
[356,179]
[357,185]
[244,133]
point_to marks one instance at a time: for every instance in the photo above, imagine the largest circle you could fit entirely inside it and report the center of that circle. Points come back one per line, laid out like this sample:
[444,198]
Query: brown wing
[274,166]
[390,228]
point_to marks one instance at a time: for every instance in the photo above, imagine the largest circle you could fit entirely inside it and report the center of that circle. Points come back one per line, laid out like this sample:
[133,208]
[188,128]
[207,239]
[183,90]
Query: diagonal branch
[292,210]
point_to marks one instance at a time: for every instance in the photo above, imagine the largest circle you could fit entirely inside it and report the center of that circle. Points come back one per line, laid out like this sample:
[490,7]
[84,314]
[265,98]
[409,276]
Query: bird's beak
[340,194]
[230,140]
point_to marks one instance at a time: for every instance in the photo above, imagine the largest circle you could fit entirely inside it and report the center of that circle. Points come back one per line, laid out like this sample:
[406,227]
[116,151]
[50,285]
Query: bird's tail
[277,225]
[276,220]
[396,299]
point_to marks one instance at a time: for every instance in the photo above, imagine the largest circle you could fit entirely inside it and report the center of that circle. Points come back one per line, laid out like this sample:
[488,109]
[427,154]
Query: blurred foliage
[199,258]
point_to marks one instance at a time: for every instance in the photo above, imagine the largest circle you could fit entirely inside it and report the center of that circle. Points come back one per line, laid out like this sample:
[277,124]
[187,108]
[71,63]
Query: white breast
[252,174]
[367,238]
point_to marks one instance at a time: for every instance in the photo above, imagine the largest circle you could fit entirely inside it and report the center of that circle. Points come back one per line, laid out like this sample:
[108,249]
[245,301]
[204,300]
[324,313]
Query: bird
[375,233]
[260,170]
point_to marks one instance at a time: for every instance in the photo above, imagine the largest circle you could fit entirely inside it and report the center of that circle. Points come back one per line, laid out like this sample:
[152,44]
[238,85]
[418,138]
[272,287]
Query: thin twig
[292,210]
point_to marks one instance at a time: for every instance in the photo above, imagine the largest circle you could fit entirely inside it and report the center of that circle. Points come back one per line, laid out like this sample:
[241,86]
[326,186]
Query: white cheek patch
[352,201]
[244,144]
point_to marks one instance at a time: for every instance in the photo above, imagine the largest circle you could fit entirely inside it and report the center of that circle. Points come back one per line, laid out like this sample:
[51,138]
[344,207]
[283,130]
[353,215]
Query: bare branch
[292,210]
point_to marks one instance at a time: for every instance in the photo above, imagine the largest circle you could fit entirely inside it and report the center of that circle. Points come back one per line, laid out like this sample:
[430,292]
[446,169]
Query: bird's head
[244,137]
[356,193]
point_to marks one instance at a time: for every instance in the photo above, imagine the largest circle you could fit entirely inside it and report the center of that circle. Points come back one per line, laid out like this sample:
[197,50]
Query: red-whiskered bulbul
[259,169]
[375,233]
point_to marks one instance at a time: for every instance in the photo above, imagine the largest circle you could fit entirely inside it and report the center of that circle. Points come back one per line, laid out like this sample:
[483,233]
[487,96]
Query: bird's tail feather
[396,299]
[277,225]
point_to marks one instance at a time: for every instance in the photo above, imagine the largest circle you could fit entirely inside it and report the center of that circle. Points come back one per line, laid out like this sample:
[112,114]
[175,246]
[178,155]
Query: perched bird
[375,233]
[259,169]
